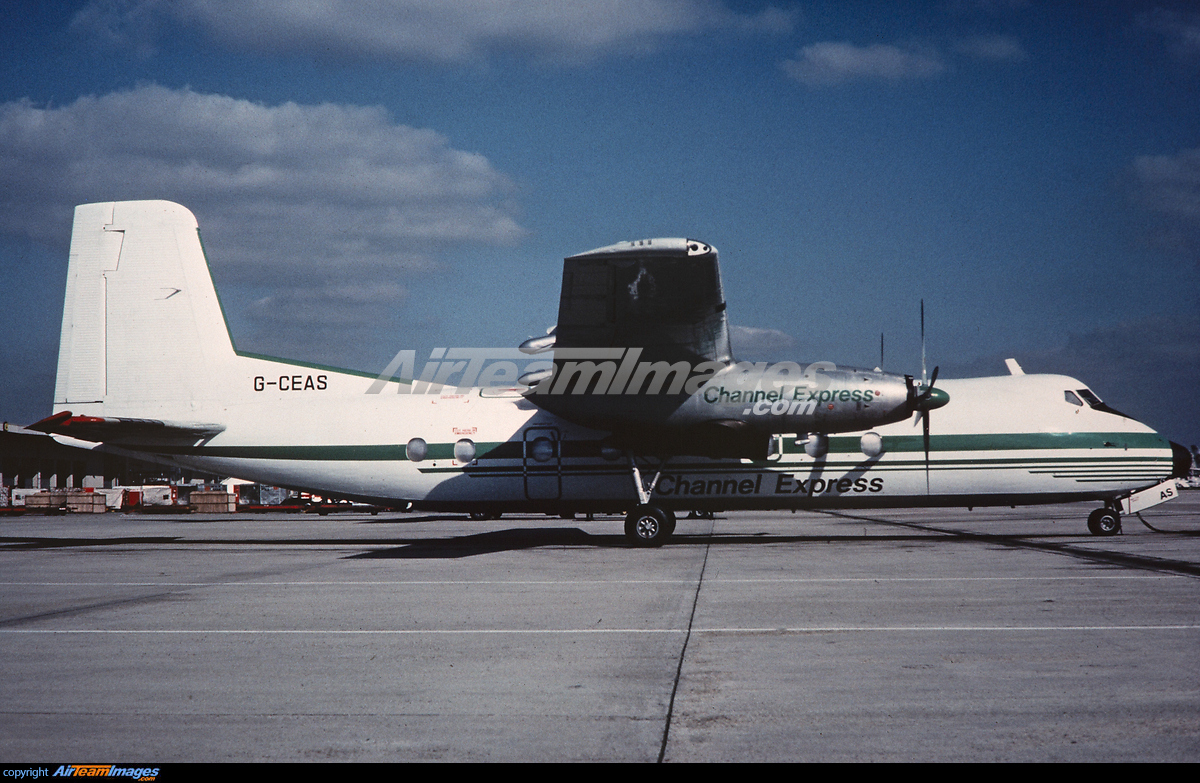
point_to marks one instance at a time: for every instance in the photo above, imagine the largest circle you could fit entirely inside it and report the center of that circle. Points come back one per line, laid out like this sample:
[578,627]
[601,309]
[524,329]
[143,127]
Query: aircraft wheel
[1104,522]
[649,526]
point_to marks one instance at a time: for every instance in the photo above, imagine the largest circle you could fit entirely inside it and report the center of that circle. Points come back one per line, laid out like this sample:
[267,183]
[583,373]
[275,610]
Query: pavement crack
[687,637]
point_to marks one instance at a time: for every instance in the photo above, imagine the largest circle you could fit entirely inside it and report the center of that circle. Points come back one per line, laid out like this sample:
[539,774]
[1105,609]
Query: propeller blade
[925,437]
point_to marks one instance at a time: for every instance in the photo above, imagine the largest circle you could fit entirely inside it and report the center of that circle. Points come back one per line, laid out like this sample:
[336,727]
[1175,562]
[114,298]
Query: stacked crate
[82,501]
[213,502]
[46,500]
[77,501]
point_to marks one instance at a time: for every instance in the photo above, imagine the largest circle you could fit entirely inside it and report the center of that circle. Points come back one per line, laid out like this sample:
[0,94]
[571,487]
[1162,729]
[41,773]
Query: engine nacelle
[753,399]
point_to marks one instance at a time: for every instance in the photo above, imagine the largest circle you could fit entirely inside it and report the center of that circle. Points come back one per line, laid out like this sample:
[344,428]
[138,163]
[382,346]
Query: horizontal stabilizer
[121,431]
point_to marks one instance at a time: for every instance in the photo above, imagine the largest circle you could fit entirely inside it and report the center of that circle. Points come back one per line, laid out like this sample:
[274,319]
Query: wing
[661,295]
[657,303]
[120,431]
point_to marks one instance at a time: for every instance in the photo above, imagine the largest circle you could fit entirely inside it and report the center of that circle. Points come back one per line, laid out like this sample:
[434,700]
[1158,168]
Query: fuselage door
[542,463]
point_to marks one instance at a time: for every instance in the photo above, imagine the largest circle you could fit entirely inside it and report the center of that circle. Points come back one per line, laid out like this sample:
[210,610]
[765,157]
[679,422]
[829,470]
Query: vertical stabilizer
[143,333]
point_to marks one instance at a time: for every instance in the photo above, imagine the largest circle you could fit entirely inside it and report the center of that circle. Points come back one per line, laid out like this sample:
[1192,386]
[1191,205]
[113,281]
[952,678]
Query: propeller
[926,399]
[923,411]
[921,400]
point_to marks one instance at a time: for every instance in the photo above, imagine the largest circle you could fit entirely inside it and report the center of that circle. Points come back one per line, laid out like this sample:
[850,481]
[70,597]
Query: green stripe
[1002,442]
[913,444]
[389,452]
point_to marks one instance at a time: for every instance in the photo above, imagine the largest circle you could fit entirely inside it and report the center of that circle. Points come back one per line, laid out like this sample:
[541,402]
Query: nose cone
[933,398]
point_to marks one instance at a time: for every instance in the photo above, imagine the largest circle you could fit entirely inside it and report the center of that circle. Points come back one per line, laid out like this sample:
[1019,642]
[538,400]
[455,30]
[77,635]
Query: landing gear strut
[1104,522]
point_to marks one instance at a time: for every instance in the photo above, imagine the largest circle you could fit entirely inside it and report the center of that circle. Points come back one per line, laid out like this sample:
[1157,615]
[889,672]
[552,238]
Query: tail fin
[143,333]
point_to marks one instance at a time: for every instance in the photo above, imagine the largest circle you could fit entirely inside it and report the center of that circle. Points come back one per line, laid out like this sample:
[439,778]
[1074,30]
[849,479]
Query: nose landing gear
[1104,522]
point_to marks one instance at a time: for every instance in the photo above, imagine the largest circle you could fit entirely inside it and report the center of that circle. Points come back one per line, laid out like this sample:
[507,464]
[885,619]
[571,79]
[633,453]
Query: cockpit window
[1095,403]
[1072,398]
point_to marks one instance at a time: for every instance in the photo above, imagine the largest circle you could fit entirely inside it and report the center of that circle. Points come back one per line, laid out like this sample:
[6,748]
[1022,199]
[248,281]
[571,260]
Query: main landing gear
[648,524]
[1104,522]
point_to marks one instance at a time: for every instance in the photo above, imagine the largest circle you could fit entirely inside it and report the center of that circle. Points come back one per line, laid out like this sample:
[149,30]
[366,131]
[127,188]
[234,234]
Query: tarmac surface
[914,635]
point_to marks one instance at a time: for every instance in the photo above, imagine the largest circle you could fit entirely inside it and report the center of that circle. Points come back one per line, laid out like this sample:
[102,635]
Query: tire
[1104,522]
[648,526]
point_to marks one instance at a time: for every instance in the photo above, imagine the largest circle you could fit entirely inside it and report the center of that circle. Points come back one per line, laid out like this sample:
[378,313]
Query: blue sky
[371,177]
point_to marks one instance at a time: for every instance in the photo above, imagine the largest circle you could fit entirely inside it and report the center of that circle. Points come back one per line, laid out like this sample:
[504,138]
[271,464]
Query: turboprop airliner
[642,410]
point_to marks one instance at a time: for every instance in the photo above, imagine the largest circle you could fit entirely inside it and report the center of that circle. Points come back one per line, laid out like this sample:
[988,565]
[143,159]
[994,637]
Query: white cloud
[833,62]
[457,31]
[321,188]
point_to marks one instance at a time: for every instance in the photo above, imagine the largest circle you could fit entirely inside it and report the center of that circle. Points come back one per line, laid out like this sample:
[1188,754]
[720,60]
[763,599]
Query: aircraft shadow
[511,540]
[516,539]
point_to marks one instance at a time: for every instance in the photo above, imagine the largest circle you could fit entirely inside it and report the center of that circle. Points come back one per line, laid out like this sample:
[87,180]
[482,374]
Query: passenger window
[1072,398]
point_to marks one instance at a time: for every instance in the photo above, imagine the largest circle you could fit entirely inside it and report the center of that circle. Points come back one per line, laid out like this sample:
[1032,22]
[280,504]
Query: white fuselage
[1009,439]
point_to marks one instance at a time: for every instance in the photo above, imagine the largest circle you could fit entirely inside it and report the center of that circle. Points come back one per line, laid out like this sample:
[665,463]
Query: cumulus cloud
[319,188]
[834,62]
[436,30]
